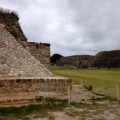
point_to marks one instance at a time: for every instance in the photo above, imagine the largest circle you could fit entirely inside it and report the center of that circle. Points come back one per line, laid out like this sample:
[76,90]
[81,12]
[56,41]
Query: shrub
[12,31]
[8,14]
[48,99]
[90,87]
[40,98]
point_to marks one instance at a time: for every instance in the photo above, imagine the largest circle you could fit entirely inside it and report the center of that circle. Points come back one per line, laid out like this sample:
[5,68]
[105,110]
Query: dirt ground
[76,94]
[108,110]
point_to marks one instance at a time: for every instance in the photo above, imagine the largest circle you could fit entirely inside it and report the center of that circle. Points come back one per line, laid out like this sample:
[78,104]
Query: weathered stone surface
[17,61]
[41,51]
[21,66]
[73,60]
[34,84]
[105,59]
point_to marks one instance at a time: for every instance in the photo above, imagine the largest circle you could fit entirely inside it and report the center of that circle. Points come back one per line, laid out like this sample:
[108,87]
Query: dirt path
[107,110]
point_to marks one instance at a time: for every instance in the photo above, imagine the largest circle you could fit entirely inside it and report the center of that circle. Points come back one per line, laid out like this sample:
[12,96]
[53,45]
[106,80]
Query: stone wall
[29,84]
[41,51]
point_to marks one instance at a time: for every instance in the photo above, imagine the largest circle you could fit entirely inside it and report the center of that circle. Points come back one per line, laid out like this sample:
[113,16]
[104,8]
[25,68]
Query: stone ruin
[105,59]
[73,60]
[24,66]
[41,51]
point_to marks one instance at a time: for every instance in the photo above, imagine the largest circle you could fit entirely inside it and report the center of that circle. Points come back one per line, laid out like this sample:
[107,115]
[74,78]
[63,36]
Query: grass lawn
[103,80]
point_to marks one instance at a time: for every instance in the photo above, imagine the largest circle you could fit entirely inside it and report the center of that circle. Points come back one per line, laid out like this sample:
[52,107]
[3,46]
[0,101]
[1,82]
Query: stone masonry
[23,90]
[34,84]
[73,60]
[17,61]
[106,59]
[41,51]
[20,72]
[23,66]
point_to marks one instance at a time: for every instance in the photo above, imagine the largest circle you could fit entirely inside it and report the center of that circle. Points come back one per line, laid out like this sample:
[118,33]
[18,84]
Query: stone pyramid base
[24,89]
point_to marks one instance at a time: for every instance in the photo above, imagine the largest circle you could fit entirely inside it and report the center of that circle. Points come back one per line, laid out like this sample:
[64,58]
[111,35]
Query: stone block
[34,81]
[16,100]
[34,85]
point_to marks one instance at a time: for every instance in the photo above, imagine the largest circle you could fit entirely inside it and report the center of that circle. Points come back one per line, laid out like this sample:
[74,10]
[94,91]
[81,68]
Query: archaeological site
[104,58]
[24,66]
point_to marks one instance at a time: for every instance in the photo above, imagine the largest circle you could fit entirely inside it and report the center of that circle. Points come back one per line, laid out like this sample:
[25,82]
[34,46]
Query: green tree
[55,57]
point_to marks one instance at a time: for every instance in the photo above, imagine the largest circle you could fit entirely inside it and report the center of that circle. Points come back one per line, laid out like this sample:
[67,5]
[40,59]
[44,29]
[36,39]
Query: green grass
[103,80]
[39,110]
[87,109]
[85,105]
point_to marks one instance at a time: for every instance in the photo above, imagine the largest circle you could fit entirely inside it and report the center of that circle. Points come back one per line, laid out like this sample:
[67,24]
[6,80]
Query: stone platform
[34,84]
[23,90]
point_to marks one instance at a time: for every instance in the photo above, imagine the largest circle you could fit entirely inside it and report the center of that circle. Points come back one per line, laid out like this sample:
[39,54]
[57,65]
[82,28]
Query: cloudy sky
[72,27]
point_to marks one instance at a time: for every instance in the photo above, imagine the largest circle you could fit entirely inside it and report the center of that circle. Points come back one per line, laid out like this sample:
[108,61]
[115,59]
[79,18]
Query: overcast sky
[72,27]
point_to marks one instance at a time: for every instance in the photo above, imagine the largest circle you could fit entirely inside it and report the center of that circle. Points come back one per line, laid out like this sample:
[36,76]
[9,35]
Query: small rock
[10,74]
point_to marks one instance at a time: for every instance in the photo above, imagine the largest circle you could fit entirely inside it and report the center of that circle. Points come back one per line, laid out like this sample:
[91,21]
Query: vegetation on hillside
[10,20]
[12,31]
[5,13]
[86,57]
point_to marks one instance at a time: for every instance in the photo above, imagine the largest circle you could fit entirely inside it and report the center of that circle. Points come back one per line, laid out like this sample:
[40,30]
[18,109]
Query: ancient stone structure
[33,84]
[105,59]
[102,59]
[23,90]
[41,51]
[17,61]
[73,60]
[23,65]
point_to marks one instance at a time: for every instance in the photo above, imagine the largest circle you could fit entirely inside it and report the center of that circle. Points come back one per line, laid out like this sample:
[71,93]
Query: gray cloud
[72,27]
